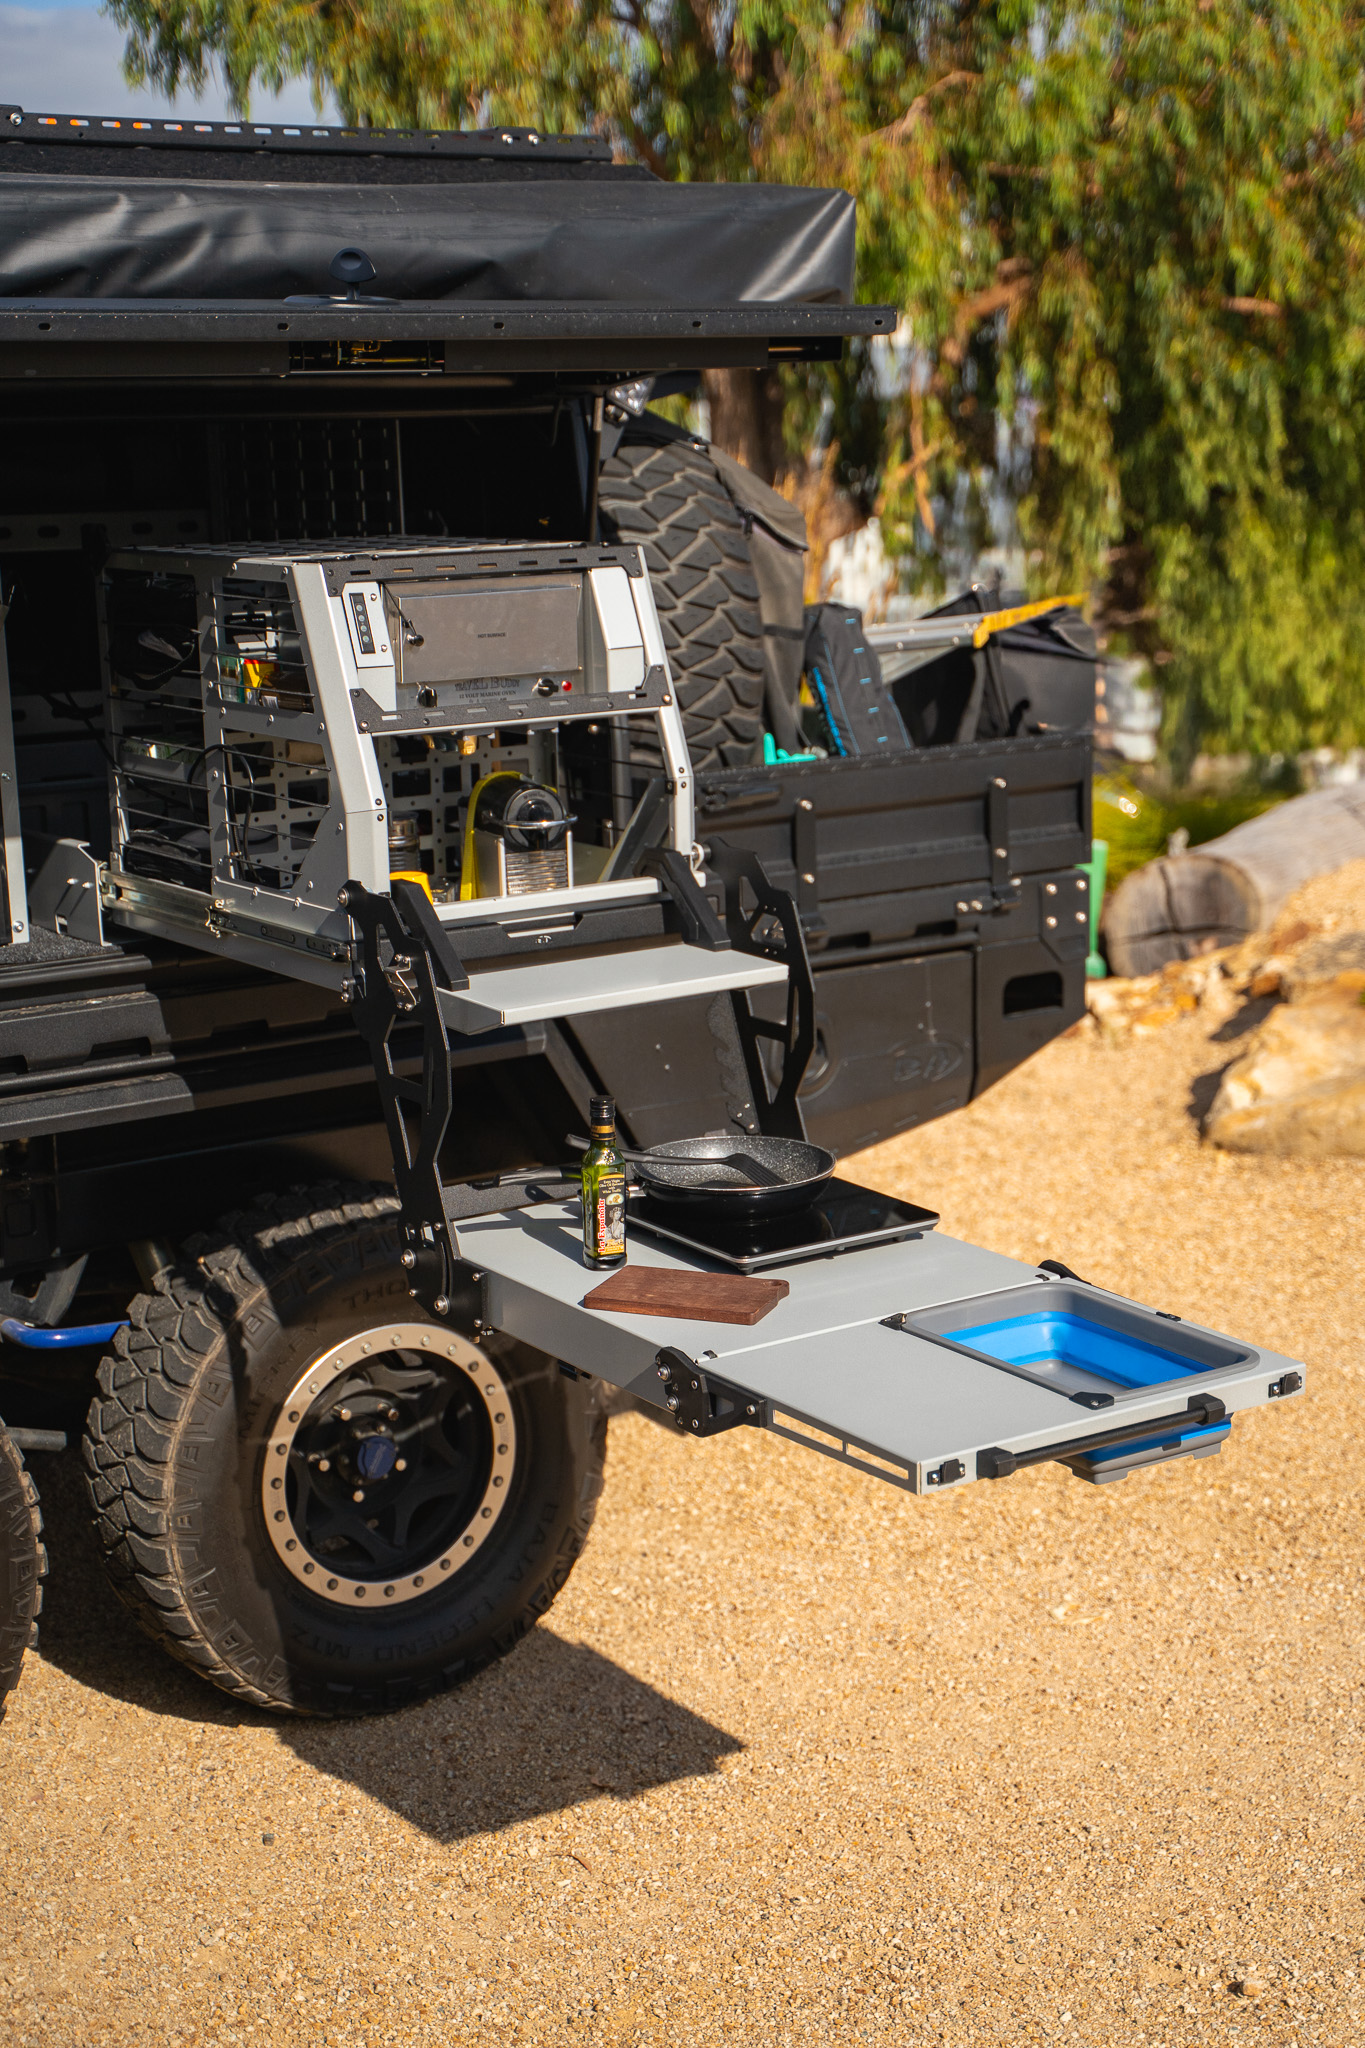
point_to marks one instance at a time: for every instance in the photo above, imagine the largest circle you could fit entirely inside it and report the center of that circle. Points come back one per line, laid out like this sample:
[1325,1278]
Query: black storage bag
[1038,676]
[845,675]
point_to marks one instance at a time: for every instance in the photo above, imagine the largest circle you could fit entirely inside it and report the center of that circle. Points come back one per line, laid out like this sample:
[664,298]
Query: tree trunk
[746,418]
[1223,891]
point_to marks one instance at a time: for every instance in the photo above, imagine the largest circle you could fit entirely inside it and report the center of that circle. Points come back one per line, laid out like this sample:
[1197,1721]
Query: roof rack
[18,124]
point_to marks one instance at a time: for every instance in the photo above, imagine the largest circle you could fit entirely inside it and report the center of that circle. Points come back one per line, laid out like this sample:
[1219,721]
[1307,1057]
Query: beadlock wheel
[388,1463]
[264,1355]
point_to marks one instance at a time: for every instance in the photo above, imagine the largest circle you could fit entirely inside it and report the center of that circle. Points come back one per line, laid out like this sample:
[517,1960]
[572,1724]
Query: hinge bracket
[700,1405]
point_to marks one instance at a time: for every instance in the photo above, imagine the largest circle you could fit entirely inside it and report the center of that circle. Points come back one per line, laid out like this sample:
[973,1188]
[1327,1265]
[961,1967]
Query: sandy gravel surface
[798,1758]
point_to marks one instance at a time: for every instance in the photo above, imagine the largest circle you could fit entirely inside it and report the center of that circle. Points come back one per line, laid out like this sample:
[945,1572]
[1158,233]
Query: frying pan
[718,1174]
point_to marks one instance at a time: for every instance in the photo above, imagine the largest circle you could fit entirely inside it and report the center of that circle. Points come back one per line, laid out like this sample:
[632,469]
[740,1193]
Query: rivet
[279,1514]
[1050,923]
[360,1592]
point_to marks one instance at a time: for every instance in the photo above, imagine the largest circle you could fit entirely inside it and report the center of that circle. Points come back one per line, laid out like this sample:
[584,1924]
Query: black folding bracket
[763,920]
[405,960]
[695,911]
[1202,1412]
[702,1406]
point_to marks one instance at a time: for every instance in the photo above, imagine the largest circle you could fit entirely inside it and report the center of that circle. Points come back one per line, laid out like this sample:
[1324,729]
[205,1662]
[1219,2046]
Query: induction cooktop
[843,1217]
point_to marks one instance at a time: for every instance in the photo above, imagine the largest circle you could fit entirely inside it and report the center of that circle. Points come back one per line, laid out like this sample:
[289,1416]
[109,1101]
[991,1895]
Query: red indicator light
[567,686]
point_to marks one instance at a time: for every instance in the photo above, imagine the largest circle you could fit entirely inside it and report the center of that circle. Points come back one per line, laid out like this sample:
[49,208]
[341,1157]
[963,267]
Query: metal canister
[405,856]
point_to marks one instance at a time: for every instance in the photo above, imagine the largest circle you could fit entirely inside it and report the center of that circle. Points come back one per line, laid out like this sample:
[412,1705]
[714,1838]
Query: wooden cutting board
[699,1297]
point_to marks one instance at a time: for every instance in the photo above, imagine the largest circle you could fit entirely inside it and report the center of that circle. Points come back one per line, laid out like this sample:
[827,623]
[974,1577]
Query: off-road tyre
[669,499]
[23,1564]
[201,1389]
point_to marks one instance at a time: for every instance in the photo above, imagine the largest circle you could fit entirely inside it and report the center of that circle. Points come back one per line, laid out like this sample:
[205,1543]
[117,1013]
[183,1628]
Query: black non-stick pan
[737,1177]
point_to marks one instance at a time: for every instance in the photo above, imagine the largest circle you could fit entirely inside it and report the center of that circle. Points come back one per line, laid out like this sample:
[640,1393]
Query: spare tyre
[662,489]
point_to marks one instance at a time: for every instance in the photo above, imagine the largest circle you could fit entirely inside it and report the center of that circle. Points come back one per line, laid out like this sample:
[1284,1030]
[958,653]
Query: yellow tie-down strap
[996,622]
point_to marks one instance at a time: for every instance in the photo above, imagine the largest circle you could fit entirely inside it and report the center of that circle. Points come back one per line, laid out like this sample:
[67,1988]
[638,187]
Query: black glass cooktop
[842,1218]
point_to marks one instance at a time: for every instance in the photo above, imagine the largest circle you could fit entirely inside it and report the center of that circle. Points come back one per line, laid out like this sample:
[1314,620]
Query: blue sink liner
[1051,1337]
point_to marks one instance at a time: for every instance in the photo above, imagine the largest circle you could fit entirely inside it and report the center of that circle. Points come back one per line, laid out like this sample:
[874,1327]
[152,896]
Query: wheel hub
[388,1465]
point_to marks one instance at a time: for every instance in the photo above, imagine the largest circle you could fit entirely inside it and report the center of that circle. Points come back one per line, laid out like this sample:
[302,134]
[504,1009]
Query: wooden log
[1221,892]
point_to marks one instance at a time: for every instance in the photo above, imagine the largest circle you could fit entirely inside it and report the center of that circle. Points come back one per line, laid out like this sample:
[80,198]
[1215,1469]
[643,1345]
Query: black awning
[633,244]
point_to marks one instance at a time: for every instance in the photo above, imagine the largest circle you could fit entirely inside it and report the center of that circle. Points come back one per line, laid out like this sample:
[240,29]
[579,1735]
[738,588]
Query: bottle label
[609,1231]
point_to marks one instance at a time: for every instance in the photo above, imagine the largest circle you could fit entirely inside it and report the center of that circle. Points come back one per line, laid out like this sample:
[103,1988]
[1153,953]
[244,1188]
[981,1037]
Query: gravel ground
[798,1757]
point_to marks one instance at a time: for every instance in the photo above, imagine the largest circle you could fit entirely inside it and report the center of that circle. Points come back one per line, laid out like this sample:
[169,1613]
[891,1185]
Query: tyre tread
[23,1564]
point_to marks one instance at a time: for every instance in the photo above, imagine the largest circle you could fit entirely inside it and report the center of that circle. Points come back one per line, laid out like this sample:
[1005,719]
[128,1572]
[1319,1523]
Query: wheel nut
[344,1413]
[324,1464]
[357,1495]
[400,1464]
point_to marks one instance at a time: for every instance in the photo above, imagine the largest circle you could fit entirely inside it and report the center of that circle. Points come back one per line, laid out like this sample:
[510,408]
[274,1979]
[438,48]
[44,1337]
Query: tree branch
[1013,283]
[1267,308]
[919,107]
[641,143]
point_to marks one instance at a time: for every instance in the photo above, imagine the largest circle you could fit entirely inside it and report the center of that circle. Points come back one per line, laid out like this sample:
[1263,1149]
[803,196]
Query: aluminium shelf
[575,984]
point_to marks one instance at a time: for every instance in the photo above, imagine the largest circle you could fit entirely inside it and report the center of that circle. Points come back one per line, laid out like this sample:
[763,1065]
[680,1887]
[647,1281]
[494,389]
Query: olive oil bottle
[604,1190]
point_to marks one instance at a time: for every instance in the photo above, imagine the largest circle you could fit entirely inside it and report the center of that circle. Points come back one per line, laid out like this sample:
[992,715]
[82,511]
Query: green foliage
[1136,823]
[1127,241]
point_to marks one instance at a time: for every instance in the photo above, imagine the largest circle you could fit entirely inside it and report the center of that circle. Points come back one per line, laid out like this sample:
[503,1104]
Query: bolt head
[343,897]
[409,1260]
[358,1494]
[441,1305]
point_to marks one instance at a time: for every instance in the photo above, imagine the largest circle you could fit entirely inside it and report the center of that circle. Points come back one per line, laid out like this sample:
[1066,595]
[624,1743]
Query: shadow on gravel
[552,1725]
[86,1633]
[1203,1089]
